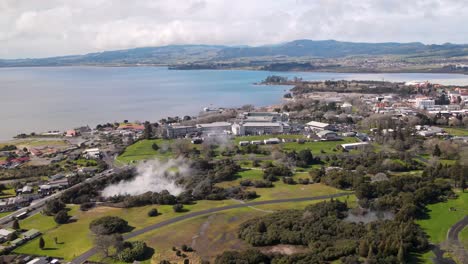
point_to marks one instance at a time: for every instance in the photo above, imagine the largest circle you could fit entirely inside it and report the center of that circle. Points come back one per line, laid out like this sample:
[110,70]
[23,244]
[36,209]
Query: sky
[32,28]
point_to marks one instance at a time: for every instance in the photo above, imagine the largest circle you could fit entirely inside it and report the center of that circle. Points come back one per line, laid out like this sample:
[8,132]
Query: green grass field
[441,218]
[280,190]
[74,238]
[456,131]
[316,147]
[211,234]
[10,192]
[142,150]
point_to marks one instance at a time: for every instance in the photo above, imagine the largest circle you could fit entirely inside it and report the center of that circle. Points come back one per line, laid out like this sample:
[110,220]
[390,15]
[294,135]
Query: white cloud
[30,28]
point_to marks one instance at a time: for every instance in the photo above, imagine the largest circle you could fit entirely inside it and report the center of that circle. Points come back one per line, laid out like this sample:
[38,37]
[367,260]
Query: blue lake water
[41,99]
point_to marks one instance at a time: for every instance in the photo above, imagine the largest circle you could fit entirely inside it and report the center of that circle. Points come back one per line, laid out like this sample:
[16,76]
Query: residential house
[318,126]
[31,233]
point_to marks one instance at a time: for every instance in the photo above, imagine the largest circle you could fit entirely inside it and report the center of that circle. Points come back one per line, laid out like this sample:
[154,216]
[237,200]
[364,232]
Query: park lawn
[284,191]
[142,150]
[249,174]
[85,162]
[10,192]
[209,235]
[3,214]
[351,200]
[456,131]
[74,238]
[463,237]
[441,218]
[317,147]
[447,162]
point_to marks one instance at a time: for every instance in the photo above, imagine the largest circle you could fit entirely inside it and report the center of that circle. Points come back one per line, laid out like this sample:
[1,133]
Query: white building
[424,103]
[351,146]
[259,128]
[180,131]
[214,127]
[264,117]
[318,126]
[92,153]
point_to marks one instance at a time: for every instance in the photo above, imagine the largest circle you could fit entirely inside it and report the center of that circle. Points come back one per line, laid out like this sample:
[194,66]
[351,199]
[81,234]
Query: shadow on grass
[49,248]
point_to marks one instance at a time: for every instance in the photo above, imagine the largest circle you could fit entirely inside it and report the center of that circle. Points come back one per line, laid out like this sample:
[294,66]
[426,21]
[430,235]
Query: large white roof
[317,124]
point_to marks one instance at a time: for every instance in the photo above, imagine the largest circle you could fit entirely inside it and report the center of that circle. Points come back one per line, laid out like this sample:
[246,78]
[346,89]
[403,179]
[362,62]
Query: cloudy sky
[32,28]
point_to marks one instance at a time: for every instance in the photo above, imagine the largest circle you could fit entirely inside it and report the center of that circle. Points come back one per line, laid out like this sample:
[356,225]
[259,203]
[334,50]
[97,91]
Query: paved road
[452,238]
[91,252]
[36,206]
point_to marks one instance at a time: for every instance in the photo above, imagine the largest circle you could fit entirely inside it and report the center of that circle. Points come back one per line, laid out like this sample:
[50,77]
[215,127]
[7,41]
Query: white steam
[152,176]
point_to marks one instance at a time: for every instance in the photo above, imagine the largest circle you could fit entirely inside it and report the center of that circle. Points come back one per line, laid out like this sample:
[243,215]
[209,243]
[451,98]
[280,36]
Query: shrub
[178,208]
[132,251]
[61,217]
[108,225]
[153,212]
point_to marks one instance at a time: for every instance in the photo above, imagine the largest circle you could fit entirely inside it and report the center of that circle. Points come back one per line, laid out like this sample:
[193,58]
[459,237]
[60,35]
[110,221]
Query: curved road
[82,258]
[452,237]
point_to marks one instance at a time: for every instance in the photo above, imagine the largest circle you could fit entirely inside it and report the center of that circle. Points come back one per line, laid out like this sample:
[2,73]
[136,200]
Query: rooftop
[317,124]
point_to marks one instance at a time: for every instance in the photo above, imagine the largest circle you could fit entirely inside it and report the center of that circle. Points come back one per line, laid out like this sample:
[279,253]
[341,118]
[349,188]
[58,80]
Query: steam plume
[154,176]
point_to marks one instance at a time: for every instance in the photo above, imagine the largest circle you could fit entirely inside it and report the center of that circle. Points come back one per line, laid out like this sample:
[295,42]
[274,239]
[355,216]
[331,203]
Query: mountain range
[180,54]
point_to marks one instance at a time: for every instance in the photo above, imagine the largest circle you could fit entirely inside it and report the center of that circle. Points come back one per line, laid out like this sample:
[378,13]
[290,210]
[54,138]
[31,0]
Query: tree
[104,243]
[147,132]
[16,225]
[155,146]
[41,243]
[401,254]
[108,225]
[52,207]
[363,248]
[61,217]
[153,212]
[178,208]
[436,151]
[261,227]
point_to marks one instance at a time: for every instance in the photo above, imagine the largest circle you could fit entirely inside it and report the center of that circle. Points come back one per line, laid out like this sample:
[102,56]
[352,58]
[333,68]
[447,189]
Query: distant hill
[180,54]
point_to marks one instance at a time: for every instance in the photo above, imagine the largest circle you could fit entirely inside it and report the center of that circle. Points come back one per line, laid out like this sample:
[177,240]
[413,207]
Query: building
[31,233]
[41,260]
[351,146]
[4,233]
[27,189]
[424,103]
[272,141]
[328,135]
[131,126]
[71,133]
[180,131]
[244,143]
[214,127]
[318,126]
[264,117]
[92,153]
[258,128]
[347,107]
[17,242]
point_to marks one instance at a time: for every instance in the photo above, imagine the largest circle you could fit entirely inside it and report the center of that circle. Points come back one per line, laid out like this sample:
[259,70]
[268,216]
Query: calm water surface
[41,99]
